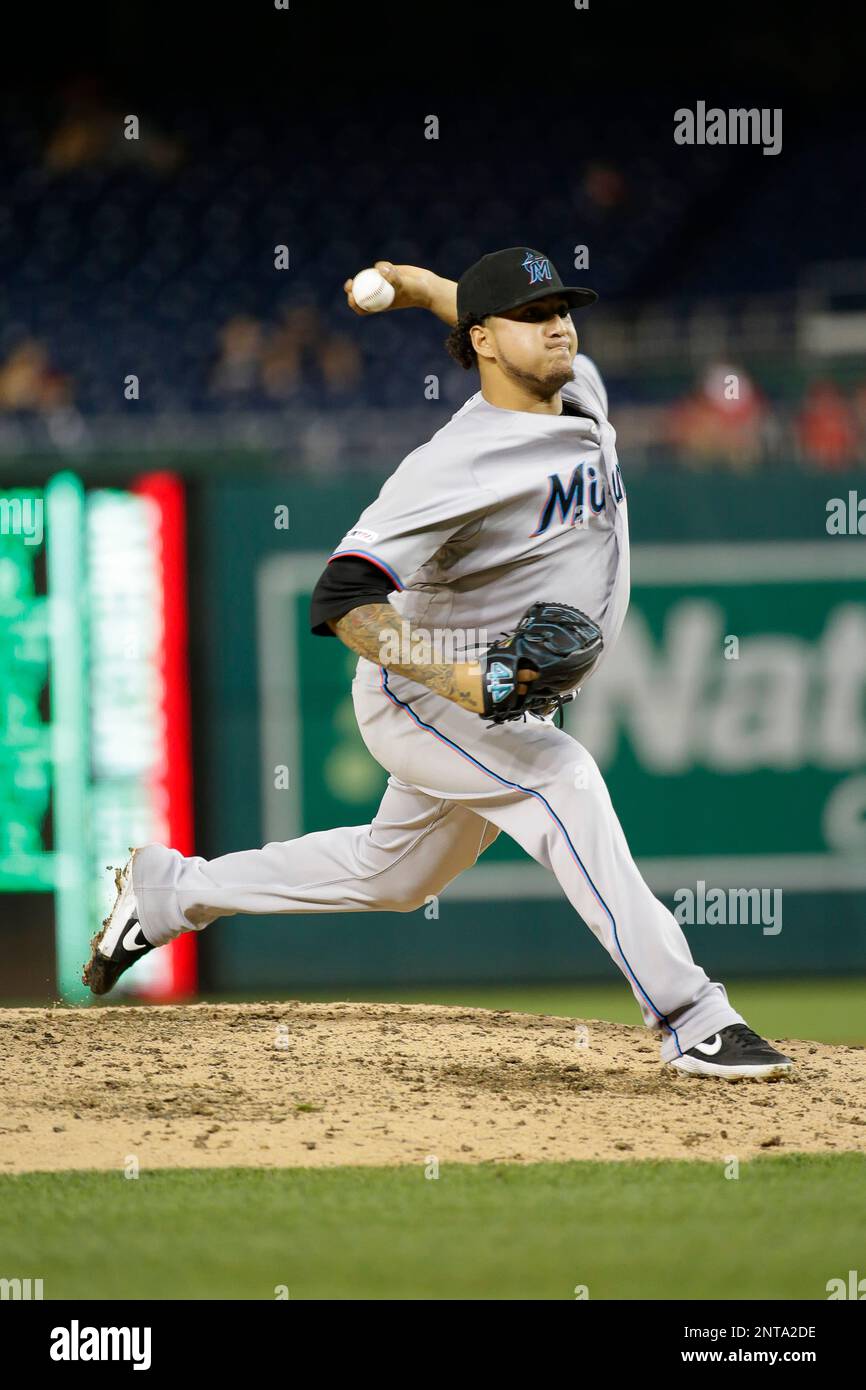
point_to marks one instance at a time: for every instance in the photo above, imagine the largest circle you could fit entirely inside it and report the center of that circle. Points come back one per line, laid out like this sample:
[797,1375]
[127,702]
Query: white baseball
[371,291]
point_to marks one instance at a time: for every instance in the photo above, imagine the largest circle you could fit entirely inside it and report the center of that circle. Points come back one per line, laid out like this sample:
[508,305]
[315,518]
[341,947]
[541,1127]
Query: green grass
[823,1010]
[626,1230]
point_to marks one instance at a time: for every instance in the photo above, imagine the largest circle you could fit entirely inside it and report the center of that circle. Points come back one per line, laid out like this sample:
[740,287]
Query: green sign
[25,731]
[729,721]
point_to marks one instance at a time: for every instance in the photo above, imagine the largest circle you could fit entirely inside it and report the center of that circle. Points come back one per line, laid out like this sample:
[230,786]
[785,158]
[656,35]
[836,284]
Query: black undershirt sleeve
[346,583]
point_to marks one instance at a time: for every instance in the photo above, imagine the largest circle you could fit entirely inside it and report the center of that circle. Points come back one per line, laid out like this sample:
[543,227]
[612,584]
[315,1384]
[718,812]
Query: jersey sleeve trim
[371,559]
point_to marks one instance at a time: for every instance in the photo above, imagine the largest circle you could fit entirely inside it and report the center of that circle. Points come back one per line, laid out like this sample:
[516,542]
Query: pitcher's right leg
[415,845]
[413,848]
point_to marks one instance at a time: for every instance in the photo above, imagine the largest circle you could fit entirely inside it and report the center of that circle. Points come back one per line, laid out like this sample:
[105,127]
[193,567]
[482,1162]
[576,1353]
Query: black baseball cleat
[735,1052]
[121,942]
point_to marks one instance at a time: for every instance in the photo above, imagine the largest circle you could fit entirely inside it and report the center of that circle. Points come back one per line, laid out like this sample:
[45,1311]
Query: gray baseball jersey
[503,508]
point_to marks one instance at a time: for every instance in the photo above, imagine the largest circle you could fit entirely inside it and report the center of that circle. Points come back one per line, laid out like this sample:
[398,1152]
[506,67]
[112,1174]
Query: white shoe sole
[124,907]
[696,1067]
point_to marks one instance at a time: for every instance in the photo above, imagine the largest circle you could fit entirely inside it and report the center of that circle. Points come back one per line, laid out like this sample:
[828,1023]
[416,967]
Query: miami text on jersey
[586,485]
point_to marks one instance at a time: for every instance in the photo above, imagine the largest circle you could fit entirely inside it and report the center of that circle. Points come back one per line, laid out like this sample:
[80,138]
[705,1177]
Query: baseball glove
[557,641]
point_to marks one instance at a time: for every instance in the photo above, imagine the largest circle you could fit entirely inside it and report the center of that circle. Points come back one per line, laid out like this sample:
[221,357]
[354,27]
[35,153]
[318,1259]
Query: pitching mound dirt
[281,1085]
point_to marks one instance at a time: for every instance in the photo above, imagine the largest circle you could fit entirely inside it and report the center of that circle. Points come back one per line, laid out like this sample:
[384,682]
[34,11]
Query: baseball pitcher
[481,588]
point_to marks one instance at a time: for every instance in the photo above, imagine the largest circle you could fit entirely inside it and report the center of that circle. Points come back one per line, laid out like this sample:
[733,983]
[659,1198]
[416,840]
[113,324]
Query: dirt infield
[289,1084]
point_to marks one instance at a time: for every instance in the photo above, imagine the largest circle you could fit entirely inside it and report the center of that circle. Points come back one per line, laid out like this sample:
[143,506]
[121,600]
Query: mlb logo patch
[360,534]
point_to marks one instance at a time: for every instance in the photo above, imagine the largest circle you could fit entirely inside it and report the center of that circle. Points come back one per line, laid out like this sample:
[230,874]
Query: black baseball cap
[504,280]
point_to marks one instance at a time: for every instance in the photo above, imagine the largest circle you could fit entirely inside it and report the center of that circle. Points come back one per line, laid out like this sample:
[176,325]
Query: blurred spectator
[340,363]
[29,382]
[237,370]
[303,326]
[858,410]
[826,427]
[721,422]
[291,350]
[604,185]
[299,351]
[91,133]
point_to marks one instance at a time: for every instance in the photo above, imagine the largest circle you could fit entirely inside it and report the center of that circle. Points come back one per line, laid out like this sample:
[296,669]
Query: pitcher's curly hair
[459,343]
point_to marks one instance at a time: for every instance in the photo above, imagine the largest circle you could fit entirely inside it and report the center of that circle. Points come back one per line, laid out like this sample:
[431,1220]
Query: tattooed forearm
[374,630]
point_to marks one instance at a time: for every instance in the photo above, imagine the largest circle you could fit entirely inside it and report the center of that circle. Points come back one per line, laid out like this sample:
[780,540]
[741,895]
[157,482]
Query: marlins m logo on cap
[538,267]
[498,283]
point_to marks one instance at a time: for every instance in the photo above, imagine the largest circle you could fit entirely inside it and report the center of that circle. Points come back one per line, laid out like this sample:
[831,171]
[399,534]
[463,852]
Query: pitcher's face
[534,344]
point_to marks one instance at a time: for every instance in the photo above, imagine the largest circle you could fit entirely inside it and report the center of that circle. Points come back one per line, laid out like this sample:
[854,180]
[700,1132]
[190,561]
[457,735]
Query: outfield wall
[730,723]
[737,764]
